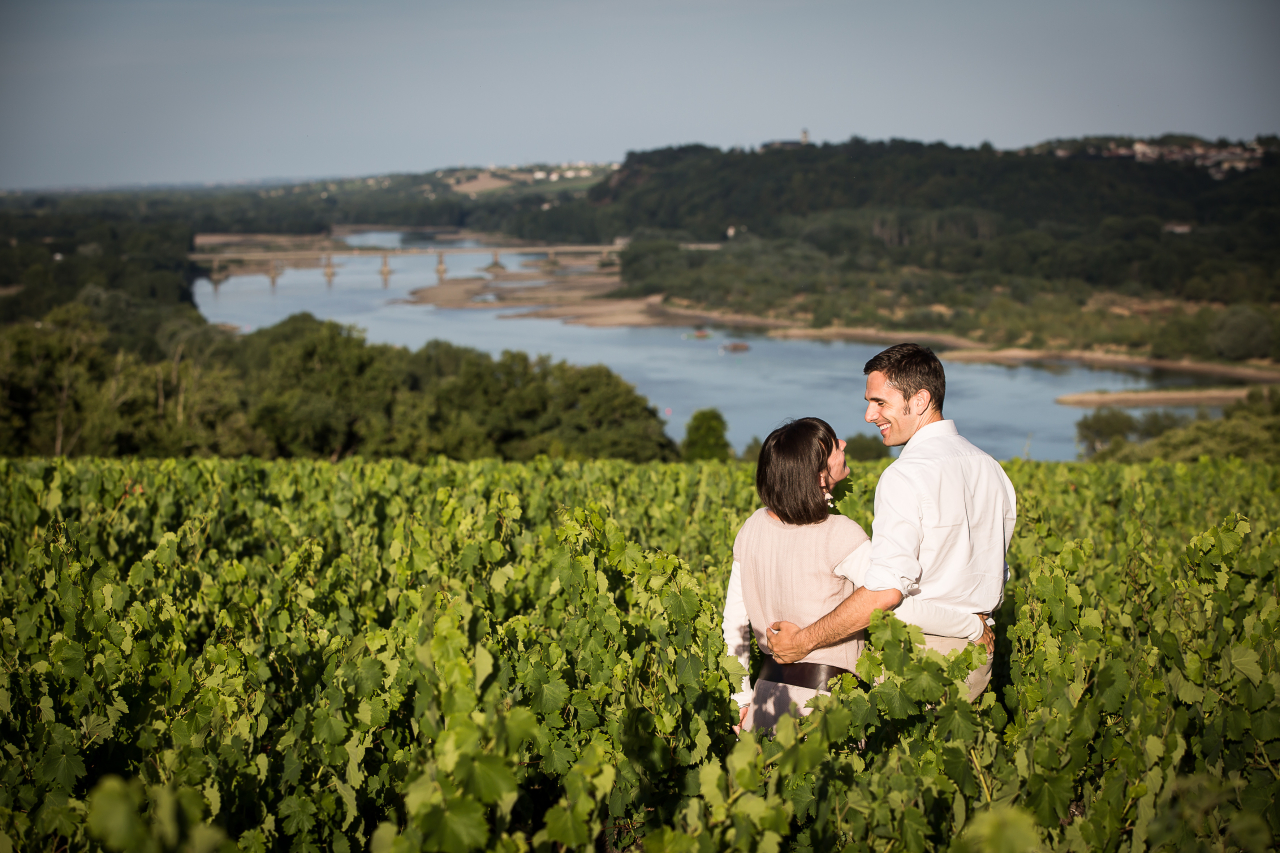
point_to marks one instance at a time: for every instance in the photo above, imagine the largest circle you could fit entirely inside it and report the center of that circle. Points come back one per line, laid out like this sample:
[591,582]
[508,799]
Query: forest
[104,354]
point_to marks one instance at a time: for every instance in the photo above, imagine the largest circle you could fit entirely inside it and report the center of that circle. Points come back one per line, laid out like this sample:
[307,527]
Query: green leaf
[688,670]
[487,778]
[328,728]
[891,700]
[957,721]
[587,716]
[566,828]
[298,814]
[733,668]
[520,725]
[368,677]
[456,827]
[557,757]
[1113,682]
[681,605]
[483,665]
[113,815]
[61,766]
[923,682]
[1048,796]
[1002,829]
[1245,661]
[915,830]
[550,697]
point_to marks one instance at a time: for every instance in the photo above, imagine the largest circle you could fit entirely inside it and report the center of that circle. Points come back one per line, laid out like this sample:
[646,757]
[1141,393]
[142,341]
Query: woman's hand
[742,717]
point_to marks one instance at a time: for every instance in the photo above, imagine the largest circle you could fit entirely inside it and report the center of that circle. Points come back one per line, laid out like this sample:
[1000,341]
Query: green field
[454,656]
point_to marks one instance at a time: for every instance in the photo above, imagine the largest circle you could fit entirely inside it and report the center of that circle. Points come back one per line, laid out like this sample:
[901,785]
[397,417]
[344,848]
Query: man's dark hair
[792,460]
[910,368]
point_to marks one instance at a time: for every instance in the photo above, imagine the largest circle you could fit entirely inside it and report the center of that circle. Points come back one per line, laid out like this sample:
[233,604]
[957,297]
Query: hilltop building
[788,144]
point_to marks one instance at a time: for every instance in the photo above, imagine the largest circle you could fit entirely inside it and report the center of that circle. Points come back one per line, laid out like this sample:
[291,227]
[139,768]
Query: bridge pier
[273,273]
[386,271]
[496,266]
[329,271]
[441,269]
[550,262]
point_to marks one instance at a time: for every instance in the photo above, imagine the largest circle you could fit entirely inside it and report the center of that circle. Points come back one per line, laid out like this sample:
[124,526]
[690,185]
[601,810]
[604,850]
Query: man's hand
[786,642]
[789,643]
[988,639]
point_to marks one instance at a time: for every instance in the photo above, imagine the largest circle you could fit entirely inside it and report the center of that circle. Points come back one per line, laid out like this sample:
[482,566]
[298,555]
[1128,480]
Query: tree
[865,448]
[1099,430]
[1241,333]
[704,436]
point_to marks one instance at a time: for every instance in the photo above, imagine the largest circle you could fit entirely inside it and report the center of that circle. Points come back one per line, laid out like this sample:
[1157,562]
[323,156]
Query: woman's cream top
[800,573]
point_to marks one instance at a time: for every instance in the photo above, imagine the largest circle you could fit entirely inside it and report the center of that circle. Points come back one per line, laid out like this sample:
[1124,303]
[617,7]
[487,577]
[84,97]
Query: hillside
[1167,248]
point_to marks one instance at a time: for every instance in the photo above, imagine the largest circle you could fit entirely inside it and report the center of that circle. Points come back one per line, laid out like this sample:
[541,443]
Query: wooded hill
[103,353]
[1101,220]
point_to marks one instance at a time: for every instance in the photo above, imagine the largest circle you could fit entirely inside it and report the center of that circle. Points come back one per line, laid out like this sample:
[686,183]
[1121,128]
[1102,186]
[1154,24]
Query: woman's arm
[737,632]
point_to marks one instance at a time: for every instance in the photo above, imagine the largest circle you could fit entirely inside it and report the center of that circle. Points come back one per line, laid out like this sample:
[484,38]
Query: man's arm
[789,643]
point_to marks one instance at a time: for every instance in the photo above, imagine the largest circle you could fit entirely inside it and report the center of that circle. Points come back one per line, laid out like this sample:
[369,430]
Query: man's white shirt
[944,516]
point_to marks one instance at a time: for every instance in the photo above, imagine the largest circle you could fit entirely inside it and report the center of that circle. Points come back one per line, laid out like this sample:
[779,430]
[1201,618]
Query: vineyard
[219,654]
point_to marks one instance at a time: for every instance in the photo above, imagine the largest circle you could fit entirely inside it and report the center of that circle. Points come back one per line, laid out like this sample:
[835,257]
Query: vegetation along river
[1007,410]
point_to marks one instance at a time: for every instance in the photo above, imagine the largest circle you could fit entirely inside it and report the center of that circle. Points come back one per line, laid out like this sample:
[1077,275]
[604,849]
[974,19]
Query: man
[944,514]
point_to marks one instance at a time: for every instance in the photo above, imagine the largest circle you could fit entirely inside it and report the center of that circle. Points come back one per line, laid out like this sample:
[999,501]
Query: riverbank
[877,336]
[578,294]
[1090,358]
[575,293]
[1214,397]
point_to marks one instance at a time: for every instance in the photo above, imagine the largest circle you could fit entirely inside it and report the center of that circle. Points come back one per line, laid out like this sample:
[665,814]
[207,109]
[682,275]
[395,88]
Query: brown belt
[812,675]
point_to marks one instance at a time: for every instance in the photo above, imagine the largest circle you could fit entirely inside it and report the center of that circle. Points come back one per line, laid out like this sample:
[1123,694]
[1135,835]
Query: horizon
[163,93]
[277,181]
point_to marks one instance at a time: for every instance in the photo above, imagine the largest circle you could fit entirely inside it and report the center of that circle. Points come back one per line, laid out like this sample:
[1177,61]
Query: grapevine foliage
[301,656]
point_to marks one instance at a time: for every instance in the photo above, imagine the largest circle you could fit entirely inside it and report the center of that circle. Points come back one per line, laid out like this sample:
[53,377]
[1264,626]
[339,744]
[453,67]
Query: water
[1007,411]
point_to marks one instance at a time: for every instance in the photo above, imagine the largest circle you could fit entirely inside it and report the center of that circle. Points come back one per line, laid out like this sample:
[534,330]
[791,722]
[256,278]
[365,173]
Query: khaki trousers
[772,700]
[978,679]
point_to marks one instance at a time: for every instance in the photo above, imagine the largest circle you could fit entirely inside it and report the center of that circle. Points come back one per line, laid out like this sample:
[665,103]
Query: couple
[944,514]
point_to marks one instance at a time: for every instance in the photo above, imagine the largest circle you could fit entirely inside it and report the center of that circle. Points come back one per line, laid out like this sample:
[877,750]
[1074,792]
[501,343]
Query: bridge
[277,260]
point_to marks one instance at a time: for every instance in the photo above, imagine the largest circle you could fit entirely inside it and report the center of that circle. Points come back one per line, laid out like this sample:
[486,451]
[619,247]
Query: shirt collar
[929,431]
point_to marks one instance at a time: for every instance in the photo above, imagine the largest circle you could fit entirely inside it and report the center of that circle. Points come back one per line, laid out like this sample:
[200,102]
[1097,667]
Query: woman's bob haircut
[788,475]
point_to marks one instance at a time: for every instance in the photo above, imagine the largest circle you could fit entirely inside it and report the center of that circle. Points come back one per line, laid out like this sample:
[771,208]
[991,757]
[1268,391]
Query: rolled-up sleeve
[896,534]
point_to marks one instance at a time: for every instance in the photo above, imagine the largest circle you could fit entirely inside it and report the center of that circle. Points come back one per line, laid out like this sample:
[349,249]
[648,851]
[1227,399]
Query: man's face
[896,417]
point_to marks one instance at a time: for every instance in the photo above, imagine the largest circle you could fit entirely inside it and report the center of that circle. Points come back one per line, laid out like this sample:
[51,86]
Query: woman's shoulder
[843,528]
[757,520]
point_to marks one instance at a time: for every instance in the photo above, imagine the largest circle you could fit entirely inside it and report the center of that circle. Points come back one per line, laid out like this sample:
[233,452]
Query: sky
[98,93]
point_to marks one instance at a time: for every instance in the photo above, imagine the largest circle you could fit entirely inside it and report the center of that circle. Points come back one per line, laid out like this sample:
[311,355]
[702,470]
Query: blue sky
[125,91]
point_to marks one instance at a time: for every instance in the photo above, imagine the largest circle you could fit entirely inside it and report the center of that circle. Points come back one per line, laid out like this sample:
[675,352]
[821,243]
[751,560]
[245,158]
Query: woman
[794,560]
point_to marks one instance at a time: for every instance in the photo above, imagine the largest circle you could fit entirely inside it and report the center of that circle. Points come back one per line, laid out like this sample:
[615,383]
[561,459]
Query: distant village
[1219,159]
[472,182]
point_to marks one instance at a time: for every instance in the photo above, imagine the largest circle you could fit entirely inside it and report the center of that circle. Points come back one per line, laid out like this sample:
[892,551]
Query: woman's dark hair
[788,473]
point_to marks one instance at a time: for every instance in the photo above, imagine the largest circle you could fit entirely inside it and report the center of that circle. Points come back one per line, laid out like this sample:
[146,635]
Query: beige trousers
[978,679]
[772,700]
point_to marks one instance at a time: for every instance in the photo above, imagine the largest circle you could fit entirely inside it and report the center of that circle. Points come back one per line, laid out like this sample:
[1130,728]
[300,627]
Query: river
[1007,411]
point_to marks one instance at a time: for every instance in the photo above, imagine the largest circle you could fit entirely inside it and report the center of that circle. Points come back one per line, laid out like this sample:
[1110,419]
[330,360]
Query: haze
[98,94]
